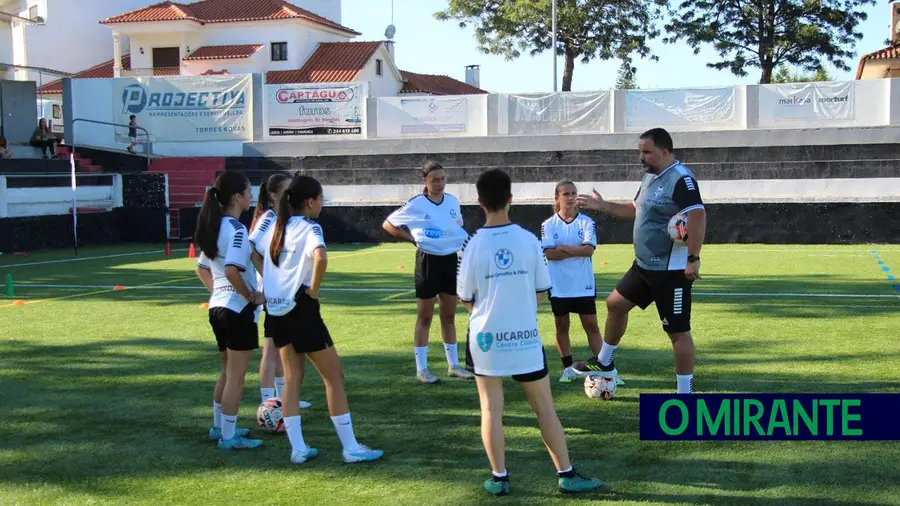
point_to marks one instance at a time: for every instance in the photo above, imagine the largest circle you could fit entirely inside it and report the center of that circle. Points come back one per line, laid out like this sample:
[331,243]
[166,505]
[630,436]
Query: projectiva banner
[186,109]
[326,109]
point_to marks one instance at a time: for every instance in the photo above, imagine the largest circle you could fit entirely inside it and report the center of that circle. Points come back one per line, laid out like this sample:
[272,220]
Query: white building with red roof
[299,42]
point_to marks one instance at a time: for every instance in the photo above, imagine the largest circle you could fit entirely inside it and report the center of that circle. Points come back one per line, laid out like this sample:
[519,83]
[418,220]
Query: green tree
[586,29]
[767,34]
[783,75]
[626,79]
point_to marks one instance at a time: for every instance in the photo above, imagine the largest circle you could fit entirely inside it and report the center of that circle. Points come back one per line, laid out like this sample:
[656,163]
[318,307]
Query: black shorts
[562,306]
[669,289]
[267,326]
[235,331]
[303,327]
[521,378]
[435,274]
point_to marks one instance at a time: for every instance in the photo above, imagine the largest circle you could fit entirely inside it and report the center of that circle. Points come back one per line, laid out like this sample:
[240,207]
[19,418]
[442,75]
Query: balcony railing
[155,71]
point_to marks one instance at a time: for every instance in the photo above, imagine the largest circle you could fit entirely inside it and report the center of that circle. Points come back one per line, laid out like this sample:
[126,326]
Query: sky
[428,46]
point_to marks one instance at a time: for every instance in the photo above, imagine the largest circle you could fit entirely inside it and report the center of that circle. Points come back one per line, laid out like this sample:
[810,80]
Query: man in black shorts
[663,271]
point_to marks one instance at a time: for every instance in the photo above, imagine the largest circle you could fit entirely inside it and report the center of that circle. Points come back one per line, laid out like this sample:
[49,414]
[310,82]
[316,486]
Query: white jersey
[571,277]
[500,271]
[234,249]
[436,228]
[262,226]
[281,284]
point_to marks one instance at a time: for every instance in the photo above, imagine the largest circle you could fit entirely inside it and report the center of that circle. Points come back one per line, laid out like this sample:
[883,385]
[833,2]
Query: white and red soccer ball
[269,415]
[598,387]
[678,228]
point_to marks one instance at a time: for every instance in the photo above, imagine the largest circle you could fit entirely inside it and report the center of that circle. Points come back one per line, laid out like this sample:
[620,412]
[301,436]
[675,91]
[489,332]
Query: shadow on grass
[138,409]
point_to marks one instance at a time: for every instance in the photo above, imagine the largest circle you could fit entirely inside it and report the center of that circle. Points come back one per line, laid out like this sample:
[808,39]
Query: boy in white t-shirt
[502,276]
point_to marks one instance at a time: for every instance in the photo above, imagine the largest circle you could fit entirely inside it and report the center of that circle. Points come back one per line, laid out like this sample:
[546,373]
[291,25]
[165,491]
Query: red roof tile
[224,11]
[436,85]
[102,71]
[332,62]
[223,52]
[891,52]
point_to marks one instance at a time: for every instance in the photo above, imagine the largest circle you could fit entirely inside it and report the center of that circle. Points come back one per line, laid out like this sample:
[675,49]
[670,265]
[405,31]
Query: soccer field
[105,393]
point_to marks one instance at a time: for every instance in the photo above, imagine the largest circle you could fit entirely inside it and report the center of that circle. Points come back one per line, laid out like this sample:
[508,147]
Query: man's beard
[647,167]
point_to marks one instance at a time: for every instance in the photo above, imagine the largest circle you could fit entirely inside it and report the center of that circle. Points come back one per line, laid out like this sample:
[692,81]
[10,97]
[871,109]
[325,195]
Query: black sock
[567,361]
[505,477]
[567,474]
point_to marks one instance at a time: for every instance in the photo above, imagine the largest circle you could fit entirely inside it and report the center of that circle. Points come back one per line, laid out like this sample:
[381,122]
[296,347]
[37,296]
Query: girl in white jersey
[293,272]
[433,222]
[271,371]
[224,268]
[569,239]
[502,277]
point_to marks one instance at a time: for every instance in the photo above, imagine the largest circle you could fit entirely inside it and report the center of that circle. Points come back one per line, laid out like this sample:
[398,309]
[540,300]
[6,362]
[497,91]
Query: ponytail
[291,202]
[217,198]
[264,203]
[209,221]
[284,213]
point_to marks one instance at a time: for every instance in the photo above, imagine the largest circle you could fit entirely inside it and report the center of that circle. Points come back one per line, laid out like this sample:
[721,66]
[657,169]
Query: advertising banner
[558,113]
[432,115]
[812,101]
[186,109]
[325,109]
[688,107]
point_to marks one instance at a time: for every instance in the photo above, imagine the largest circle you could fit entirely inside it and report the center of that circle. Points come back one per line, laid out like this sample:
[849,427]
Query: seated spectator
[44,139]
[4,153]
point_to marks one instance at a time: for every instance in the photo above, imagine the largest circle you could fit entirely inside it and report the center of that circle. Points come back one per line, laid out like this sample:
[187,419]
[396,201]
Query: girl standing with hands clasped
[569,239]
[224,268]
[293,272]
[433,222]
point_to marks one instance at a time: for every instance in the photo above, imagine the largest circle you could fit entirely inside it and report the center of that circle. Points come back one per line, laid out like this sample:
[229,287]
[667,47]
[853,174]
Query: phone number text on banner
[186,109]
[316,109]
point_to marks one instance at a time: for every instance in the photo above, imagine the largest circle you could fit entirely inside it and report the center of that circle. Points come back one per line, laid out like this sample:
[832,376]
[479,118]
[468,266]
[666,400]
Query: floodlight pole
[553,46]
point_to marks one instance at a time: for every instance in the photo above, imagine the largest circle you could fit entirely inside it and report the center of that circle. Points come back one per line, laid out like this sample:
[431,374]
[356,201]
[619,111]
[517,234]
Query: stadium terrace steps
[188,179]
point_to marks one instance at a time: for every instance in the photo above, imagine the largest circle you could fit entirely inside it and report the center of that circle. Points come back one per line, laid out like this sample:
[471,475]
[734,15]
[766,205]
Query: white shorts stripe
[677,301]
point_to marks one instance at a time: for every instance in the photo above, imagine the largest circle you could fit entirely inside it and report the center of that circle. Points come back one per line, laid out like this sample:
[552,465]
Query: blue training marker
[886,269]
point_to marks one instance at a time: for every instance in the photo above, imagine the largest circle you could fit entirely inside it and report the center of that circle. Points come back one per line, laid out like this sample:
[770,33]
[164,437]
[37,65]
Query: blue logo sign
[433,233]
[503,259]
[136,99]
[581,234]
[485,340]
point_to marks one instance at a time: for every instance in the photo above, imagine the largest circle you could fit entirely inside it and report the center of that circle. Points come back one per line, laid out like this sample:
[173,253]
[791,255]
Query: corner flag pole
[74,202]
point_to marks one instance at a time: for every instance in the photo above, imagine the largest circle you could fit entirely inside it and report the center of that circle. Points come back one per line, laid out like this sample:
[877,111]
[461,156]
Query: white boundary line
[350,252]
[393,290]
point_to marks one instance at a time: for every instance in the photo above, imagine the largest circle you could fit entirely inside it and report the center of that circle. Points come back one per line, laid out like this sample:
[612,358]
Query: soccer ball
[678,228]
[269,415]
[598,387]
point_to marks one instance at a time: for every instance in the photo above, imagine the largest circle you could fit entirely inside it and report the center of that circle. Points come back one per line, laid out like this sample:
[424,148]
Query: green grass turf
[105,395]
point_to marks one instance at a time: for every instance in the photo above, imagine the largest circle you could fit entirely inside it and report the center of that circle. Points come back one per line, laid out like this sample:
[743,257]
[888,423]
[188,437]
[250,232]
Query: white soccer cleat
[458,371]
[425,376]
[298,457]
[305,405]
[568,375]
[362,454]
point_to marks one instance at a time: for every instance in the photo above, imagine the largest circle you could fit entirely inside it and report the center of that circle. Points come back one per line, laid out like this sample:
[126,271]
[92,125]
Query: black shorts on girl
[303,327]
[235,331]
[521,378]
[435,274]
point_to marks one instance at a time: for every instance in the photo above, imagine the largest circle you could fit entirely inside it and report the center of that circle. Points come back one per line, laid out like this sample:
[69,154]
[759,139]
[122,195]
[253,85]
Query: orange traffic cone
[168,249]
[192,253]
[118,288]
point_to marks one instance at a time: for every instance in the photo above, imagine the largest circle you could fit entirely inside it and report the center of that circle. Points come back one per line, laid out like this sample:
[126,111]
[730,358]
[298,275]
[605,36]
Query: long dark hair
[559,186]
[292,200]
[428,168]
[264,202]
[217,198]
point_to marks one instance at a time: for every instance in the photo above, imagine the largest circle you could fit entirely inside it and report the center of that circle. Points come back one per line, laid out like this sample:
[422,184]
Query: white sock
[295,434]
[452,354]
[344,428]
[685,383]
[266,393]
[279,386]
[421,358]
[564,471]
[504,474]
[229,422]
[217,415]
[607,352]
